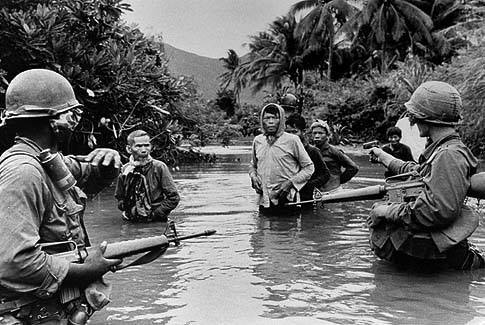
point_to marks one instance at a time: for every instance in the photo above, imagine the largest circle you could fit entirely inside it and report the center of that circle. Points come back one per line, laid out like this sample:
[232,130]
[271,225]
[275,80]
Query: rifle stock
[129,248]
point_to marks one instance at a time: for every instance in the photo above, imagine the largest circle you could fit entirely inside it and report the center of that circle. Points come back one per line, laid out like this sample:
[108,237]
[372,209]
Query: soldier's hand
[105,156]
[377,215]
[375,153]
[256,184]
[98,263]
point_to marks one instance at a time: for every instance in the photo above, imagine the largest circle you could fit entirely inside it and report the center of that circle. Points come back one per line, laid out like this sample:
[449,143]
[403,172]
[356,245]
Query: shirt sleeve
[306,165]
[91,179]
[171,196]
[440,202]
[120,187]
[24,267]
[350,167]
[253,164]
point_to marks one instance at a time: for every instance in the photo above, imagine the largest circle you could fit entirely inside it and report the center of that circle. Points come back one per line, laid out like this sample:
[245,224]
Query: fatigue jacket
[446,166]
[32,212]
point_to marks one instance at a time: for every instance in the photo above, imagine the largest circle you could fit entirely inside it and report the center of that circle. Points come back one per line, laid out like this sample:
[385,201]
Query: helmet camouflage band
[38,93]
[436,102]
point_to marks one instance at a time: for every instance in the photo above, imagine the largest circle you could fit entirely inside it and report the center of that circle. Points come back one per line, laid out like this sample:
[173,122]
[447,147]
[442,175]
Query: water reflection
[316,268]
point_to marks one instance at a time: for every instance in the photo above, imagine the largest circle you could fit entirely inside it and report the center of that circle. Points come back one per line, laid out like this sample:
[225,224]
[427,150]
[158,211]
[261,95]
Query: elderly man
[280,165]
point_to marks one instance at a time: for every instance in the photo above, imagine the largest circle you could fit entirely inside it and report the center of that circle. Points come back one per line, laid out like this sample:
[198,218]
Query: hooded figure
[280,165]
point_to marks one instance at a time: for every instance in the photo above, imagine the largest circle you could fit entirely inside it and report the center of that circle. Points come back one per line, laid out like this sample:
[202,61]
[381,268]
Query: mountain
[205,71]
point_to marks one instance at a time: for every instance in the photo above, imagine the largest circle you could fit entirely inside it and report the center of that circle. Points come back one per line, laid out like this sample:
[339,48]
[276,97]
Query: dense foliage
[118,73]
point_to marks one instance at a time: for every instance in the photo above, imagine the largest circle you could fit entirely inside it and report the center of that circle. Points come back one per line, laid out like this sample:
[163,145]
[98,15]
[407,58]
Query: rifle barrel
[200,234]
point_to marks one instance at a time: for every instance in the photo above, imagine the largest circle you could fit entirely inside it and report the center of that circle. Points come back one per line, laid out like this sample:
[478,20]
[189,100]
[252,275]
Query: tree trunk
[330,58]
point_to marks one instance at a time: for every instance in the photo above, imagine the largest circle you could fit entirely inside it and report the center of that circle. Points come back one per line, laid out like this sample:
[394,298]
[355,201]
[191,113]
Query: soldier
[431,231]
[36,208]
[290,104]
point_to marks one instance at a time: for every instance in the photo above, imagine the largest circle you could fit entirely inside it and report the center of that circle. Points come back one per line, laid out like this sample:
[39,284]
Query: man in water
[396,148]
[280,165]
[433,230]
[295,124]
[37,287]
[145,190]
[341,167]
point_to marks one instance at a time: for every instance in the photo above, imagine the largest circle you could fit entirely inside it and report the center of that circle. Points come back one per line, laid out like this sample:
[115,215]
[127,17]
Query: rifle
[392,190]
[153,246]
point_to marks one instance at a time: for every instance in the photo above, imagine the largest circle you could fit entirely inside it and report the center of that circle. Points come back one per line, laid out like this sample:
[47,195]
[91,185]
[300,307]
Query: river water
[312,269]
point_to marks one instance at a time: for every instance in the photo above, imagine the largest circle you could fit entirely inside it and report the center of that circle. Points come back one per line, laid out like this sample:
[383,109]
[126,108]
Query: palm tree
[390,27]
[231,64]
[318,29]
[275,55]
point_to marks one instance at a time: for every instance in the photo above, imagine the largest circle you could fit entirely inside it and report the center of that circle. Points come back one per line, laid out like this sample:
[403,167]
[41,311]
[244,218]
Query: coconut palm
[275,55]
[318,29]
[390,27]
[231,64]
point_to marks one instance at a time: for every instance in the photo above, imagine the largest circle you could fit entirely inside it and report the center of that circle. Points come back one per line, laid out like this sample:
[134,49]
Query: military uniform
[32,211]
[433,229]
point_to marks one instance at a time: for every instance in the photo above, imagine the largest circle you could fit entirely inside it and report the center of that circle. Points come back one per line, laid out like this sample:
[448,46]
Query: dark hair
[394,130]
[296,121]
[135,134]
[272,109]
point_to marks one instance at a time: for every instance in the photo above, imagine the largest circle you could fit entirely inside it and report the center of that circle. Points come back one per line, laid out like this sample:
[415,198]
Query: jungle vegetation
[352,64]
[355,64]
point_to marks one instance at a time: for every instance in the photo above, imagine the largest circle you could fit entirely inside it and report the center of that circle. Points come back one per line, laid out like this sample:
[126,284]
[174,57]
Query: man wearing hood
[280,165]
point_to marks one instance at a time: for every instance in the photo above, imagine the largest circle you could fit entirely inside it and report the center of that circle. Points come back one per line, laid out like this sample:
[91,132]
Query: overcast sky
[206,27]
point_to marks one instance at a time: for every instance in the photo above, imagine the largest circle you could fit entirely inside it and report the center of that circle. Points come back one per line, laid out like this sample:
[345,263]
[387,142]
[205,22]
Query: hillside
[204,70]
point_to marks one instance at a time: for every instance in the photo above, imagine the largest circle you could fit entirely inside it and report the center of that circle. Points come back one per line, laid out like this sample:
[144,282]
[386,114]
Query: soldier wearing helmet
[290,104]
[432,230]
[42,202]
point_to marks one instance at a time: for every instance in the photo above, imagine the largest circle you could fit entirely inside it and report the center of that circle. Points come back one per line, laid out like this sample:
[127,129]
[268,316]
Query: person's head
[44,98]
[138,144]
[272,119]
[434,104]
[394,134]
[295,124]
[320,132]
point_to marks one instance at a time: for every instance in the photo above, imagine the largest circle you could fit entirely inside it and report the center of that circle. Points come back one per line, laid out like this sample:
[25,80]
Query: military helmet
[436,102]
[289,100]
[38,93]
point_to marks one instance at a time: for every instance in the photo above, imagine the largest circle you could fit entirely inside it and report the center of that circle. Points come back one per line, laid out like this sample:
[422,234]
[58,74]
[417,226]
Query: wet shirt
[399,151]
[30,214]
[164,196]
[336,160]
[446,167]
[284,159]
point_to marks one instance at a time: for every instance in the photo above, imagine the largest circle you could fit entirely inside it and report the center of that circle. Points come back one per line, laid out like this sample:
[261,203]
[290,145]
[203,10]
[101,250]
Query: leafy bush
[118,73]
